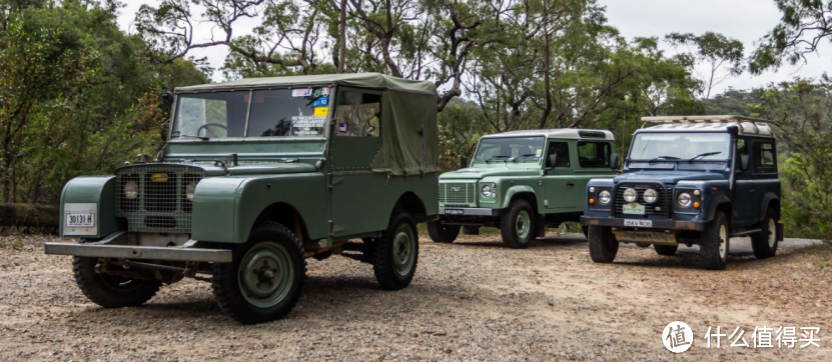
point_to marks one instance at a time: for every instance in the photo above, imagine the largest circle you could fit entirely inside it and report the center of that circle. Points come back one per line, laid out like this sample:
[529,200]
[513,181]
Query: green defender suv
[257,176]
[522,182]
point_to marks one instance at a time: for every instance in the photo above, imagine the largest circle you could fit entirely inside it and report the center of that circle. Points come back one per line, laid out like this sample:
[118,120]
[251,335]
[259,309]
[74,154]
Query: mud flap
[781,231]
[540,227]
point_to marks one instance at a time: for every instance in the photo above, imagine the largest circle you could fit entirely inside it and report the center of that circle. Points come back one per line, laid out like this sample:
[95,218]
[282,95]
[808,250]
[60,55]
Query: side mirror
[614,161]
[168,98]
[553,160]
[463,162]
[744,162]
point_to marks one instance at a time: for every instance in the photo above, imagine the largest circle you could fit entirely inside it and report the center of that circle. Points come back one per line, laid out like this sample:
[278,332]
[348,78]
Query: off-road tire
[760,243]
[226,282]
[111,291]
[389,276]
[666,250]
[603,246]
[509,225]
[712,255]
[442,233]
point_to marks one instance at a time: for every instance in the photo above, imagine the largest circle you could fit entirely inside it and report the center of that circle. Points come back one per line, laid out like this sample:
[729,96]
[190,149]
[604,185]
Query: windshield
[681,146]
[295,112]
[501,149]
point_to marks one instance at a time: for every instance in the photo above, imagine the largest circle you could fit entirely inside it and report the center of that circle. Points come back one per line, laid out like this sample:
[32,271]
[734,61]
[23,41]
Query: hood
[479,172]
[669,177]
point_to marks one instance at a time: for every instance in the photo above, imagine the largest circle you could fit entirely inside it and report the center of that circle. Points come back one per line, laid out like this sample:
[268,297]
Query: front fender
[713,202]
[99,190]
[226,208]
[513,191]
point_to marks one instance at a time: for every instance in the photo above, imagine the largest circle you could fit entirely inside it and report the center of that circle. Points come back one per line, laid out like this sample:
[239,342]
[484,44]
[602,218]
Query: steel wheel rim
[723,242]
[523,224]
[266,274]
[404,243]
[772,233]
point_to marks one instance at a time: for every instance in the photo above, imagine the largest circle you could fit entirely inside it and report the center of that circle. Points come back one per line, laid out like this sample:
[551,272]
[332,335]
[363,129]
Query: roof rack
[743,122]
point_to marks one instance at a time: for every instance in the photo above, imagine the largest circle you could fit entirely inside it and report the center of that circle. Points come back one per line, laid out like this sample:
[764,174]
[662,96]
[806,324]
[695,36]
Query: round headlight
[604,197]
[630,195]
[189,191]
[684,200]
[486,191]
[131,190]
[650,196]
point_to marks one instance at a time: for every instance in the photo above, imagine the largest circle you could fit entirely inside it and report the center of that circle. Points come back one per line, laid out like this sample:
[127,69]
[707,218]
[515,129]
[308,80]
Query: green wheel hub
[266,274]
[404,246]
[523,224]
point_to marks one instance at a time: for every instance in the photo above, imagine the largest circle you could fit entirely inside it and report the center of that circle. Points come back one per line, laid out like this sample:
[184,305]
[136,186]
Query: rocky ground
[473,300]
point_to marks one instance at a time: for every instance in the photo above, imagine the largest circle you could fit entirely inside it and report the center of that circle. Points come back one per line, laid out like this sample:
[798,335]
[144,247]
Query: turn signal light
[591,201]
[696,205]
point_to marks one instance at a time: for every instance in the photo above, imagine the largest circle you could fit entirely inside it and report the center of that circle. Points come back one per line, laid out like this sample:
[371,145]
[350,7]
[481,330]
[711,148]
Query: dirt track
[474,300]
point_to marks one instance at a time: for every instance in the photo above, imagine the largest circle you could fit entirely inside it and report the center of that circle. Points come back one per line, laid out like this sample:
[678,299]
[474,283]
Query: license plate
[638,223]
[80,219]
[454,212]
[633,208]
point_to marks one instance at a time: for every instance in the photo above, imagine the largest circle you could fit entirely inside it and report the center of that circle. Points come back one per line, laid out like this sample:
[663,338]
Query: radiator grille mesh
[160,203]
[457,194]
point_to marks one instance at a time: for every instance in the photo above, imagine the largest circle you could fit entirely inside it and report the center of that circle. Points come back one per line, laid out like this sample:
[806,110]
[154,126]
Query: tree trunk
[29,215]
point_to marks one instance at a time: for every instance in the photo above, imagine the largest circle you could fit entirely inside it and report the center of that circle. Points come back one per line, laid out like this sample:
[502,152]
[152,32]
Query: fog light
[131,190]
[189,191]
[630,195]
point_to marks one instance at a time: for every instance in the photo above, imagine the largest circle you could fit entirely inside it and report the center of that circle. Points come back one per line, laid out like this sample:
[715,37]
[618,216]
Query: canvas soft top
[373,80]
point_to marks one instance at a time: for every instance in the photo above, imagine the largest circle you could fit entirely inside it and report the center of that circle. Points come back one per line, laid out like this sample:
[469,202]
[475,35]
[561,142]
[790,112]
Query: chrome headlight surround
[650,195]
[130,190]
[630,195]
[486,191]
[604,197]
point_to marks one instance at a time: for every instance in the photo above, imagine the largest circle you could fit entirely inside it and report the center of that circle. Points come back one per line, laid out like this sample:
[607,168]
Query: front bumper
[468,211]
[657,224]
[114,246]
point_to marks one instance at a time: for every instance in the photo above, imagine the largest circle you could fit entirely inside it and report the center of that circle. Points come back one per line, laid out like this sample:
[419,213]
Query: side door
[764,174]
[559,183]
[745,194]
[355,190]
[593,162]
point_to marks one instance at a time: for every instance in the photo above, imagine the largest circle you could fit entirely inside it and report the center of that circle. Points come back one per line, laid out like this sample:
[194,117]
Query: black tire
[517,226]
[713,253]
[603,247]
[397,252]
[282,254]
[441,233]
[111,291]
[666,250]
[765,243]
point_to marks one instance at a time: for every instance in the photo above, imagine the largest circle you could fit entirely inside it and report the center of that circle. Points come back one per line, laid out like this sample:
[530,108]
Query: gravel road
[473,300]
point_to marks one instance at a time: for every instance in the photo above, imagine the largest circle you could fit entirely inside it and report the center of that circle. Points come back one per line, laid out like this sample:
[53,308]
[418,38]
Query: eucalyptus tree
[722,57]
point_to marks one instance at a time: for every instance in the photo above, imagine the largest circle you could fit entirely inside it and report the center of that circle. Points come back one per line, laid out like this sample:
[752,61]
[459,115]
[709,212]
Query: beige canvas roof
[373,80]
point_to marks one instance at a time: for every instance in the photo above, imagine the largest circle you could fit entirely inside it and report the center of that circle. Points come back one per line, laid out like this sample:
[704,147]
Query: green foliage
[803,26]
[722,57]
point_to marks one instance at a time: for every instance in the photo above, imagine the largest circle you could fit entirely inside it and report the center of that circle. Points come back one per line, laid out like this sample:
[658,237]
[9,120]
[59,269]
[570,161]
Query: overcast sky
[746,20]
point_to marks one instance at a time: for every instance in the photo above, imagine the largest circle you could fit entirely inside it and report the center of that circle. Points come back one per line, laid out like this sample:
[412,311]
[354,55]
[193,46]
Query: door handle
[752,191]
[569,184]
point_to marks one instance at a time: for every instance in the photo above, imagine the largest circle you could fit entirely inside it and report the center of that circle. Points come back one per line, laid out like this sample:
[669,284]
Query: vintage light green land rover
[257,176]
[522,182]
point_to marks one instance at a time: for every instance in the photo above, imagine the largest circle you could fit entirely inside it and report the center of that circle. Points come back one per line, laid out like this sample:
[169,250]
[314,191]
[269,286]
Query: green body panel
[558,190]
[226,208]
[98,190]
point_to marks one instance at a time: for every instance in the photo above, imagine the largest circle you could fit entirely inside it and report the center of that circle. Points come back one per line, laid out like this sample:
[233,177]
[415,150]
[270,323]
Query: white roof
[747,126]
[558,134]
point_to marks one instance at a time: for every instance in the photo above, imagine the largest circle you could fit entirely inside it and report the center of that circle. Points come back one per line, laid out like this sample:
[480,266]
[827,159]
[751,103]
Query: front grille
[661,202]
[460,194]
[161,204]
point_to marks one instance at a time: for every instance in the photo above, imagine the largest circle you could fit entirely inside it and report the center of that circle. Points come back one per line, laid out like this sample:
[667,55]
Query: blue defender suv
[690,180]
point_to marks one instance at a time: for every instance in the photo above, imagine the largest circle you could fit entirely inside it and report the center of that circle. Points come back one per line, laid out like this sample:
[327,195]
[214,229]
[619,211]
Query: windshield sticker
[342,127]
[307,125]
[538,152]
[302,92]
[325,91]
[321,111]
[321,102]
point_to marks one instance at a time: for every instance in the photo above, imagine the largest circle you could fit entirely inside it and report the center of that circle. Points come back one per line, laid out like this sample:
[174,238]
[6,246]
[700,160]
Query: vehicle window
[681,145]
[522,149]
[214,115]
[594,154]
[358,114]
[562,150]
[289,112]
[764,156]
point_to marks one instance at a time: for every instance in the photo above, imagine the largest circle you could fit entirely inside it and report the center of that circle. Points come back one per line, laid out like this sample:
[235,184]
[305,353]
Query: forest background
[79,96]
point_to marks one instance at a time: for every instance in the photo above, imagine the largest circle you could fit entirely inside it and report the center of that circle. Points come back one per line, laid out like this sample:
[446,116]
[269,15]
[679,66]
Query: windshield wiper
[703,155]
[497,156]
[528,155]
[190,136]
[661,157]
